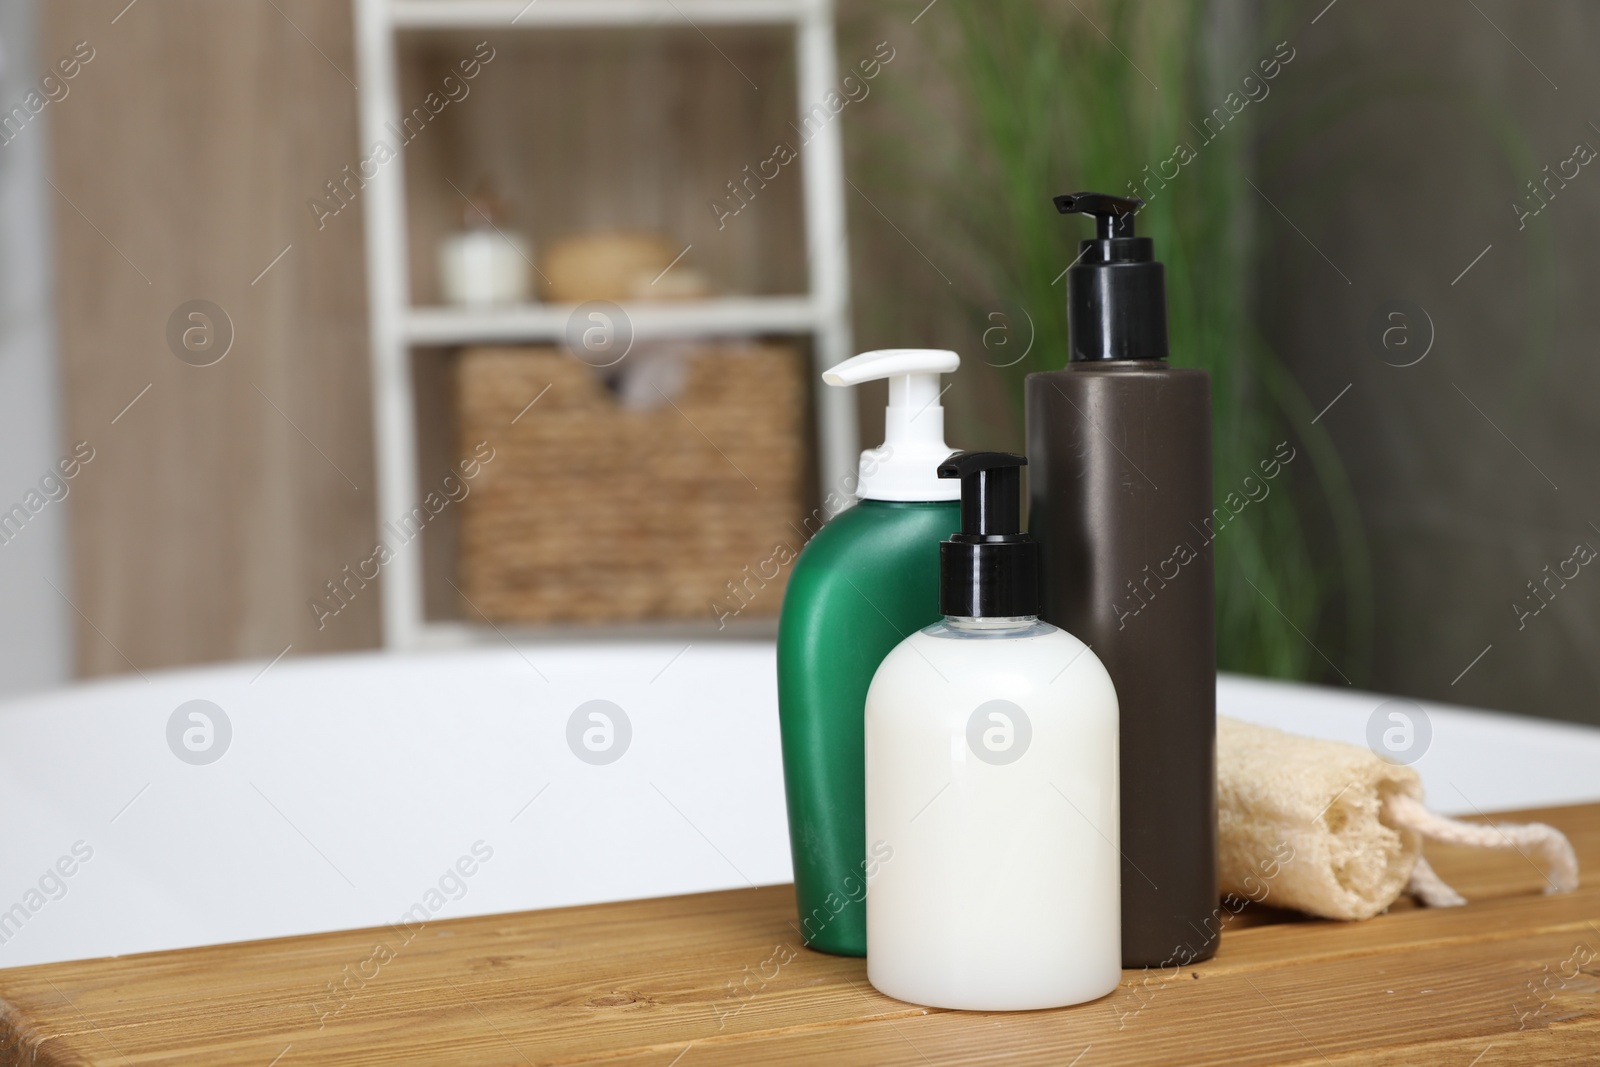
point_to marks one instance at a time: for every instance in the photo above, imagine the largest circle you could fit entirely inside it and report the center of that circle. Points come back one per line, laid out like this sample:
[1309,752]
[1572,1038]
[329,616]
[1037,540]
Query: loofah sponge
[1331,829]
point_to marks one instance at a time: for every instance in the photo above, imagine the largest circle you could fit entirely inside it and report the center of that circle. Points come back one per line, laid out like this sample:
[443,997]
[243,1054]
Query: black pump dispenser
[991,568]
[1116,291]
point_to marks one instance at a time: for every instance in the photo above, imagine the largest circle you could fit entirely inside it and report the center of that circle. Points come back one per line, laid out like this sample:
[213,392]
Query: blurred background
[320,333]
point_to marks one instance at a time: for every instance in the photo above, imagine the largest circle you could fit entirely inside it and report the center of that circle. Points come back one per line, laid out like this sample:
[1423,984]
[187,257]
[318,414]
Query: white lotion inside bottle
[991,752]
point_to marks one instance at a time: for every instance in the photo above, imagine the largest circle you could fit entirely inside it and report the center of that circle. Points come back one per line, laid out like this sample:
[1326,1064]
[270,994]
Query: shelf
[683,102]
[728,317]
[529,14]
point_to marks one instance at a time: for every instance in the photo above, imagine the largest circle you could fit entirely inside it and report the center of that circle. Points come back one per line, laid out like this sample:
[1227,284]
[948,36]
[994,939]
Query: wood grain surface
[1513,978]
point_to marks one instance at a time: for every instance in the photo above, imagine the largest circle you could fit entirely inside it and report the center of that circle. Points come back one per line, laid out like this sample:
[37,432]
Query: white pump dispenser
[906,466]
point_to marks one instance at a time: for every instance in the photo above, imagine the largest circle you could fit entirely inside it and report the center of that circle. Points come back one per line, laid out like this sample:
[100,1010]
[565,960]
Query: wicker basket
[592,511]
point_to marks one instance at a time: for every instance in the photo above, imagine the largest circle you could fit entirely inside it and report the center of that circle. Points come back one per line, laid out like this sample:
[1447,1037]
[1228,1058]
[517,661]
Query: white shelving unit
[398,327]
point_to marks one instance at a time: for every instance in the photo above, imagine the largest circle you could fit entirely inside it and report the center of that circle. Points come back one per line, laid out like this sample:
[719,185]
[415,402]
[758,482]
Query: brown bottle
[1119,461]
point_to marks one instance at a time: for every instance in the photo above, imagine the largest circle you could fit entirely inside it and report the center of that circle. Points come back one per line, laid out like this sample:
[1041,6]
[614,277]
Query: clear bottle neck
[1002,627]
[990,623]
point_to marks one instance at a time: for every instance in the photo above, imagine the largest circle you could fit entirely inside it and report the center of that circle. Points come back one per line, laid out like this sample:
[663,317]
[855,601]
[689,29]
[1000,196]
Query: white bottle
[991,745]
[482,267]
[486,263]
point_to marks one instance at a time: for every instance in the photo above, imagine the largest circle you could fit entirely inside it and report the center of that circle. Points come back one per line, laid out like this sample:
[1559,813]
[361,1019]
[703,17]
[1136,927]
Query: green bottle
[866,580]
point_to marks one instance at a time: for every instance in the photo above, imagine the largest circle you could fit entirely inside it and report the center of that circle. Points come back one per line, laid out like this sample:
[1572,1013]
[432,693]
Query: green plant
[1062,97]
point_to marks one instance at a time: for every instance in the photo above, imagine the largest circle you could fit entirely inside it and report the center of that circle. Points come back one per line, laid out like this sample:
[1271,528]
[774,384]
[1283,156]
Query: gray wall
[1397,144]
[35,631]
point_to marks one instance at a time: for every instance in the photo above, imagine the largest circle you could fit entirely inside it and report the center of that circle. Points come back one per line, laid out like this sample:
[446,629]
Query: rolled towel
[1333,830]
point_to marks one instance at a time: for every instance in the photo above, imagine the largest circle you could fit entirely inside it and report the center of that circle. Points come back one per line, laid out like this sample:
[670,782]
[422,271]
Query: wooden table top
[721,978]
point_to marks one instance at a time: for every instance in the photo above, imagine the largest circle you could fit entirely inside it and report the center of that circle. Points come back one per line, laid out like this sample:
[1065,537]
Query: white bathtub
[357,788]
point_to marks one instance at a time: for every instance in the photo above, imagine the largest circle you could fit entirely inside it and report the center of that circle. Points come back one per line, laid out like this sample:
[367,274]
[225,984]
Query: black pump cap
[991,568]
[1116,291]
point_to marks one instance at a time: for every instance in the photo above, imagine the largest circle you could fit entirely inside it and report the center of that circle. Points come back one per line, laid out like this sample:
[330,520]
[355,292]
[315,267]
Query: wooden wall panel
[219,503]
